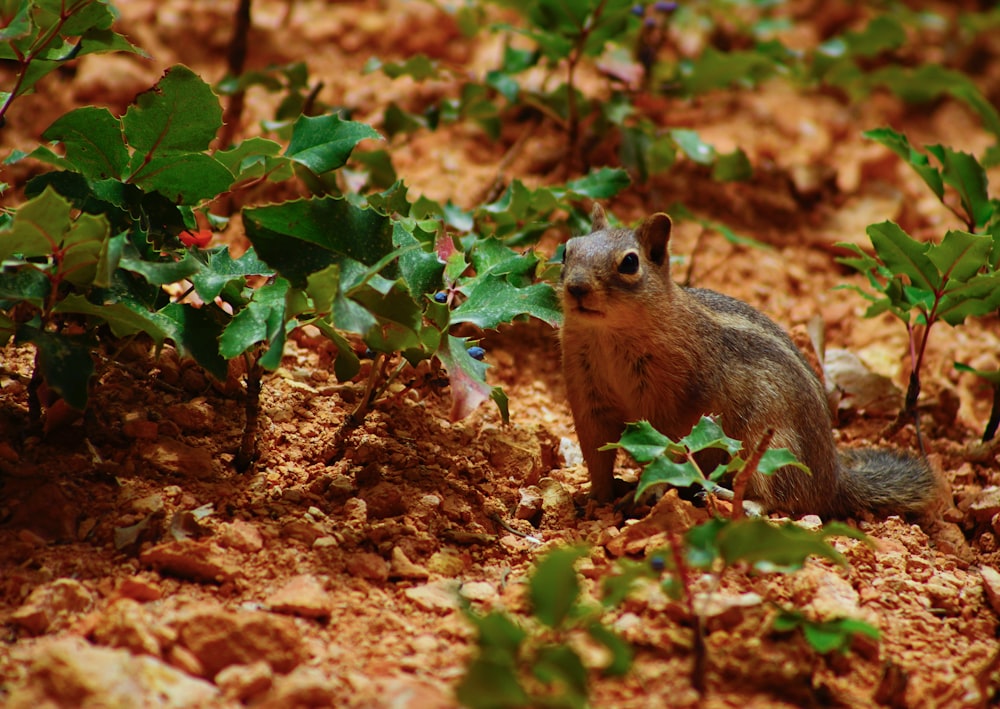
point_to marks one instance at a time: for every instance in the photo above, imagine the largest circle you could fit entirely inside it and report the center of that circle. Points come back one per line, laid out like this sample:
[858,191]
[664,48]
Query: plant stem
[248,453]
[742,478]
[698,644]
[236,61]
[991,425]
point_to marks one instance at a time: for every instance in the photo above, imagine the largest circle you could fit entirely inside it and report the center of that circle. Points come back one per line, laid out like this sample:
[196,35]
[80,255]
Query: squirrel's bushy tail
[883,480]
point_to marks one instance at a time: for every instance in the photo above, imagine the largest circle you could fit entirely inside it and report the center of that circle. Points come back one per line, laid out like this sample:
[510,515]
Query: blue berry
[658,563]
[665,6]
[477,352]
[638,10]
[440,297]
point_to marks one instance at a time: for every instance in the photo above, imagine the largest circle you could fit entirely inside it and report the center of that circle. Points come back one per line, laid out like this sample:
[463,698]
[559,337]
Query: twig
[742,478]
[236,62]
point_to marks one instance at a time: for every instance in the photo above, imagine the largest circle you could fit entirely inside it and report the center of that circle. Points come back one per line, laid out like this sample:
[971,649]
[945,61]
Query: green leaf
[304,236]
[992,376]
[553,586]
[621,651]
[253,158]
[641,441]
[719,70]
[732,167]
[160,272]
[399,317]
[122,319]
[963,172]
[492,301]
[775,459]
[692,145]
[904,255]
[45,226]
[769,547]
[467,377]
[65,364]
[93,141]
[960,255]
[324,143]
[603,183]
[421,269]
[184,178]
[708,434]
[418,67]
[825,636]
[562,666]
[196,332]
[179,114]
[26,284]
[666,472]
[898,143]
[491,680]
[261,321]
[221,270]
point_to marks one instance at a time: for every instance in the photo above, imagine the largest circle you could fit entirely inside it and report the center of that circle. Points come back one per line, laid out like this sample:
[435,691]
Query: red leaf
[198,238]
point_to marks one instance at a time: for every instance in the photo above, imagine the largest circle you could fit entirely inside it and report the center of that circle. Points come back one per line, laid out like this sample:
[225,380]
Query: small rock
[447,562]
[570,451]
[244,682]
[70,672]
[405,692]
[478,591]
[402,568]
[195,416]
[140,589]
[305,687]
[220,638]
[368,566]
[984,504]
[441,596]
[53,606]
[530,504]
[150,504]
[517,457]
[175,458]
[991,584]
[384,500]
[304,596]
[202,560]
[304,531]
[125,624]
[241,535]
[137,426]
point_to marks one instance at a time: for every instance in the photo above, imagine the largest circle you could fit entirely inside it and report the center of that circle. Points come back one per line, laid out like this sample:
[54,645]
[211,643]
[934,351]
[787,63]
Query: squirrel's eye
[629,265]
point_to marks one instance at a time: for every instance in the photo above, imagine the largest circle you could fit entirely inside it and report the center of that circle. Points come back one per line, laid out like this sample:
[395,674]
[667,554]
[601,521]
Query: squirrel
[636,345]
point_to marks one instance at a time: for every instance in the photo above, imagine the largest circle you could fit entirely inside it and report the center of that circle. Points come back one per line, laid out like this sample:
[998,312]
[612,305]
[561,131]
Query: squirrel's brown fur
[638,346]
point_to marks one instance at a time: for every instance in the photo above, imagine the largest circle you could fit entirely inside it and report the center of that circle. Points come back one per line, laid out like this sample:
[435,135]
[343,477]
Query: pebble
[441,596]
[202,560]
[53,606]
[70,672]
[304,596]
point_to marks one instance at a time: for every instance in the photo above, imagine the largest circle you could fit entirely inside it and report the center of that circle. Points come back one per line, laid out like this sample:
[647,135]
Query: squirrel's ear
[598,219]
[654,235]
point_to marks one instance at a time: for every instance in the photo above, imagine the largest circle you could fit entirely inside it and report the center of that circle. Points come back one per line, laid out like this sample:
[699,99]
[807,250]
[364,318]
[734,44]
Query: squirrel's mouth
[581,309]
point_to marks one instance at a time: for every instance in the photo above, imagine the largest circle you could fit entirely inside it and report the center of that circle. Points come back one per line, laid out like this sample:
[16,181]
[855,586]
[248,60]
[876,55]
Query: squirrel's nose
[578,290]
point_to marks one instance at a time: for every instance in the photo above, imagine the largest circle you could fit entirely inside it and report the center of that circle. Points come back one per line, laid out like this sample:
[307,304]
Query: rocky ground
[138,569]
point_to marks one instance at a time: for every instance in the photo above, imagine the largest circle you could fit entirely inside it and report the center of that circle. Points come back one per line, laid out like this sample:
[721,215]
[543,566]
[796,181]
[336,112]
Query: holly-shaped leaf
[492,301]
[221,270]
[324,143]
[301,237]
[554,587]
[93,141]
[180,114]
[64,362]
